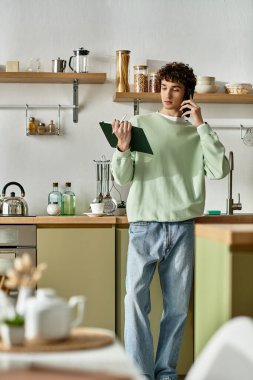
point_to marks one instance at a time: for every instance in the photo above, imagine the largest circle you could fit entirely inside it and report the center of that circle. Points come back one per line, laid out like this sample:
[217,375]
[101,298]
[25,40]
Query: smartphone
[188,95]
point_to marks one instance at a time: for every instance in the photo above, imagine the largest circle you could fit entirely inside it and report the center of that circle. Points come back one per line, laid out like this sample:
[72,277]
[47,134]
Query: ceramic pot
[48,317]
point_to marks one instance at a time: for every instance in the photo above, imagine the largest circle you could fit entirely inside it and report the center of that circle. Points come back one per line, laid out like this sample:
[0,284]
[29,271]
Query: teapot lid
[81,51]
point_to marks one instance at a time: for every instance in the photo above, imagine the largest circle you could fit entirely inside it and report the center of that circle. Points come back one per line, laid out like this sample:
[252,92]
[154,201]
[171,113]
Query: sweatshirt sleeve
[216,164]
[122,167]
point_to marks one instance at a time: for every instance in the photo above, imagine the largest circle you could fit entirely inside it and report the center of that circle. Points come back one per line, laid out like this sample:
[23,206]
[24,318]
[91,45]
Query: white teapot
[48,317]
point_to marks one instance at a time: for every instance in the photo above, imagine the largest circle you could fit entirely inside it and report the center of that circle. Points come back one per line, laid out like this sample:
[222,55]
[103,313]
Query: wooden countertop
[234,235]
[43,220]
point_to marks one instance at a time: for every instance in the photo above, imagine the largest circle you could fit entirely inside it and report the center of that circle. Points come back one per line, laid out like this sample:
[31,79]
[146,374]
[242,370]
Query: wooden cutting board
[82,338]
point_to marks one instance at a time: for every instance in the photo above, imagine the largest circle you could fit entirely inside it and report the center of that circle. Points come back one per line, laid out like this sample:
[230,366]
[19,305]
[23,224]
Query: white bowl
[205,88]
[205,80]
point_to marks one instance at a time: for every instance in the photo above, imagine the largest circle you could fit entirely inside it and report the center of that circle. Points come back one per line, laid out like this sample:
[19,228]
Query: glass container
[141,78]
[32,128]
[55,196]
[122,70]
[68,200]
[154,84]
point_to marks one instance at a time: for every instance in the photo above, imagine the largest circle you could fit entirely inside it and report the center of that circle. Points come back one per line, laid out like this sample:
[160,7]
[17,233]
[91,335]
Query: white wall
[214,37]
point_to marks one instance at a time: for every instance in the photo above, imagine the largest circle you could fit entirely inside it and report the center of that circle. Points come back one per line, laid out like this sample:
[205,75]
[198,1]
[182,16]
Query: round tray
[82,338]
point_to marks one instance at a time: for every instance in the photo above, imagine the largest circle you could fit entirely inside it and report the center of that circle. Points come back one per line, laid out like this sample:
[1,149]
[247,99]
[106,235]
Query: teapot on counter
[13,205]
[48,317]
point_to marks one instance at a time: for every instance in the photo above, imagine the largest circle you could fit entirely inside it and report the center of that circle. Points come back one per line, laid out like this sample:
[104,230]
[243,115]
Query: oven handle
[7,253]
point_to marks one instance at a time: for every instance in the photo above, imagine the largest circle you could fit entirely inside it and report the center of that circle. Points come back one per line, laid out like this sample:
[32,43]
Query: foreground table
[110,358]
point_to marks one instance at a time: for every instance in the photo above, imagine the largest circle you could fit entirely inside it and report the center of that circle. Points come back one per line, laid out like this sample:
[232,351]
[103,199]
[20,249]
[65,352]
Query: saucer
[92,214]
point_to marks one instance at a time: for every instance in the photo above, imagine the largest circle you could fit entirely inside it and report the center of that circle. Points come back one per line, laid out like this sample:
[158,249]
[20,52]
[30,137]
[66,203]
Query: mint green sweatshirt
[170,184]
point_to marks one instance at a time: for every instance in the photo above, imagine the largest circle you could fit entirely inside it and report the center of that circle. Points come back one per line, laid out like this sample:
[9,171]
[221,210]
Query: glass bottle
[55,196]
[141,78]
[68,200]
[51,127]
[122,64]
[32,129]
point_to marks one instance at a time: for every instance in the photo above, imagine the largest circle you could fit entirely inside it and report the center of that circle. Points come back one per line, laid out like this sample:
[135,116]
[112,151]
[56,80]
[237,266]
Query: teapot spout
[23,295]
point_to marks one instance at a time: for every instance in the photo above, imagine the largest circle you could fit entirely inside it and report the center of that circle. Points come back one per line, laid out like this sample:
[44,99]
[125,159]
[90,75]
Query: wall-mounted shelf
[48,77]
[147,97]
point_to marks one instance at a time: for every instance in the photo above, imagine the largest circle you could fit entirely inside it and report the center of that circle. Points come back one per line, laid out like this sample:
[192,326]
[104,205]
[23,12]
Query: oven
[15,240]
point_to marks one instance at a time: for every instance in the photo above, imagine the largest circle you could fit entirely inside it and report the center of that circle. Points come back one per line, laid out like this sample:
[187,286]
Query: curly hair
[180,73]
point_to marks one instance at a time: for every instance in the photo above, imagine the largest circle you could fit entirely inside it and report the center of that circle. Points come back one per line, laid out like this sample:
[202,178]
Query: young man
[167,193]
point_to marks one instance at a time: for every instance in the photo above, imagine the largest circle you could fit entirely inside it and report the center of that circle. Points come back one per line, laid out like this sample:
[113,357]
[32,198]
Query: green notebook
[139,141]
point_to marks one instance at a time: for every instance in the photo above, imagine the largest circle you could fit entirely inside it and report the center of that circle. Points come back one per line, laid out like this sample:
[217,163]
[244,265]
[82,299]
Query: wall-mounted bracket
[136,106]
[75,100]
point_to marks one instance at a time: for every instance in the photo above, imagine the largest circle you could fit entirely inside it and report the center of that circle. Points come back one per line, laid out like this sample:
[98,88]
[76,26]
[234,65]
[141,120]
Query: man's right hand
[123,133]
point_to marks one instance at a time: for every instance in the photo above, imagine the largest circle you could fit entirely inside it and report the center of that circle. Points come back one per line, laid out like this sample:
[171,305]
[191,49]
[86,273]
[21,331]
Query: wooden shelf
[48,77]
[200,98]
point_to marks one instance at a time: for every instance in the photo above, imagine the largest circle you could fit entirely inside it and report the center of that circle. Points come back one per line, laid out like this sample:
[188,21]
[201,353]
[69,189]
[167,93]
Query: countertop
[234,235]
[44,220]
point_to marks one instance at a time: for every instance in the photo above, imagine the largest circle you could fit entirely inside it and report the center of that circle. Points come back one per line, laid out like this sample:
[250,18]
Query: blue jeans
[171,246]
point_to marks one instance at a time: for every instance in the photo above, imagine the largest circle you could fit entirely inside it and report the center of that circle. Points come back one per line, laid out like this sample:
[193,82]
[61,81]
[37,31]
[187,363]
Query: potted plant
[121,208]
[12,331]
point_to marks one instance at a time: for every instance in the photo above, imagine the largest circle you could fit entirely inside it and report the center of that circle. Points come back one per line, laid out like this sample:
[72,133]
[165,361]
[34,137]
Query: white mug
[97,208]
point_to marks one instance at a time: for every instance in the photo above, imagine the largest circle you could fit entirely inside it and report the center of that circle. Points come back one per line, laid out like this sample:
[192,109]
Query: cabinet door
[81,261]
[186,354]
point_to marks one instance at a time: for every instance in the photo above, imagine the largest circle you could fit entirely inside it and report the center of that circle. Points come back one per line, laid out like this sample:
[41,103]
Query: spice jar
[51,127]
[32,129]
[41,128]
[154,84]
[122,68]
[141,78]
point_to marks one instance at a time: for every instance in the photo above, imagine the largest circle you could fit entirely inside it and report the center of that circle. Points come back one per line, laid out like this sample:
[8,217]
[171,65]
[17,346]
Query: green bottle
[68,200]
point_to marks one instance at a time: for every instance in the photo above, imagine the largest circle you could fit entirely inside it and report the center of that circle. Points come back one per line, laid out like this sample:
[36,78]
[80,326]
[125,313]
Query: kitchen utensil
[99,197]
[248,136]
[48,317]
[80,60]
[13,205]
[58,65]
[110,204]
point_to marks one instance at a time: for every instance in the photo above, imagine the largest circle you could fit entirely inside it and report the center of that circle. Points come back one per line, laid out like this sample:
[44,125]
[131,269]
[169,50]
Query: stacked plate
[205,85]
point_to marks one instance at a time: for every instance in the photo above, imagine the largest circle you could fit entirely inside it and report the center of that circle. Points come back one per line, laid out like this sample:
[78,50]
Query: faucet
[231,206]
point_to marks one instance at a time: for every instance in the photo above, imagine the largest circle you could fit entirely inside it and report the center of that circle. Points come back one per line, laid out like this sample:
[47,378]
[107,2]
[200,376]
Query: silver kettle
[13,205]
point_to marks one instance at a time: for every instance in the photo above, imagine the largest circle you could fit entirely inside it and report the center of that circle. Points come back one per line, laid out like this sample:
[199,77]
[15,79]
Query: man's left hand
[194,110]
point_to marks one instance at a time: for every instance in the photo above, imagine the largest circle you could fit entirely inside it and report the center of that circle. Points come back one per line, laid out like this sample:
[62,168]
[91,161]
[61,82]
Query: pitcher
[80,60]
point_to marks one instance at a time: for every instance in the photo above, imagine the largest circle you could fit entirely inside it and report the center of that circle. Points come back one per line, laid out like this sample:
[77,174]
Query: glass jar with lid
[154,83]
[41,128]
[141,78]
[122,68]
[32,128]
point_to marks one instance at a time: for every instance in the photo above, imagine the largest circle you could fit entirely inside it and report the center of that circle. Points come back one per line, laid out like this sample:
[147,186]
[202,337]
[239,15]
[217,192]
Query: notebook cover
[139,141]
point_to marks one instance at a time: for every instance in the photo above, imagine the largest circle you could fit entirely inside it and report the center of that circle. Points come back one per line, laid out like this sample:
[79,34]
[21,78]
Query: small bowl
[205,80]
[238,88]
[205,88]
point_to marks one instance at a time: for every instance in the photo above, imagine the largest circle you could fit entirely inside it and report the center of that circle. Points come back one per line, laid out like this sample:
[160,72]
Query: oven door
[9,255]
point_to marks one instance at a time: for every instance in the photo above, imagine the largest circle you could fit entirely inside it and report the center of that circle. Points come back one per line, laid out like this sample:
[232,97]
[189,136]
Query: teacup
[97,208]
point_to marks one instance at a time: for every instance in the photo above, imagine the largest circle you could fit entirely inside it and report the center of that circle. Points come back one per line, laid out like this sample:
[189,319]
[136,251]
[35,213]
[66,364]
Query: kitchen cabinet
[186,354]
[218,97]
[81,261]
[48,77]
[223,277]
